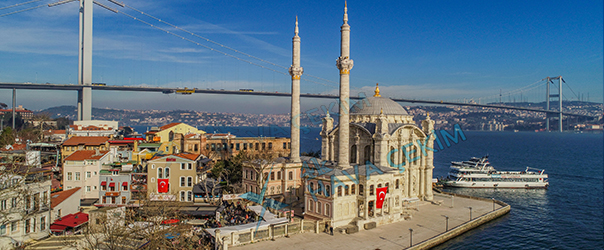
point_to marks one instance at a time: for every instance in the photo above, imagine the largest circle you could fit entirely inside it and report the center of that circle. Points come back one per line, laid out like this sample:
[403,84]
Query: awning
[103,183]
[112,184]
[125,184]
[57,228]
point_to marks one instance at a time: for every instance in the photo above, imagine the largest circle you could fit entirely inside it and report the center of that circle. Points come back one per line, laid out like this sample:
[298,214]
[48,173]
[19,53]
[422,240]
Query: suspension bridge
[535,90]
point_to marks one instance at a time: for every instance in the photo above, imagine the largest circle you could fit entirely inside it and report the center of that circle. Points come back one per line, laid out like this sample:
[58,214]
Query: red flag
[381,195]
[163,185]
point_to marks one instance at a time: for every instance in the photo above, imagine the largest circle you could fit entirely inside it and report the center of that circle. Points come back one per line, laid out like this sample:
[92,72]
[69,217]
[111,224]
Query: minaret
[295,71]
[344,64]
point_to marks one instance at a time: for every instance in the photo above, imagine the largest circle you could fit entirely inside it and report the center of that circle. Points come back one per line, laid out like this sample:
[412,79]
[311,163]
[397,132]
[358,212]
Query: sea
[567,215]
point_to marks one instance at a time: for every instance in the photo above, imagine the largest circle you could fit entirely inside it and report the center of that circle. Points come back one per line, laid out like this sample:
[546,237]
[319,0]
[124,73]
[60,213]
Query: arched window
[361,189]
[312,187]
[339,190]
[388,187]
[327,191]
[310,204]
[352,189]
[367,154]
[291,175]
[160,173]
[327,209]
[392,162]
[346,190]
[353,154]
[396,184]
[171,136]
[319,207]
[167,173]
[371,190]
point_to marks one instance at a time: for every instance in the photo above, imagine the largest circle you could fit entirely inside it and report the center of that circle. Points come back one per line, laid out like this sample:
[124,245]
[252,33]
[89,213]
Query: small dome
[376,106]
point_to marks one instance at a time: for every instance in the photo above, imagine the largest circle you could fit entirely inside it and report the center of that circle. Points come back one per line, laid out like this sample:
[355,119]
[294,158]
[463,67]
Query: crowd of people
[236,214]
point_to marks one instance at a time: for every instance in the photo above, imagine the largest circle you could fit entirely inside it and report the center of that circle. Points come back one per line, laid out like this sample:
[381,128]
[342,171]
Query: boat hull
[538,185]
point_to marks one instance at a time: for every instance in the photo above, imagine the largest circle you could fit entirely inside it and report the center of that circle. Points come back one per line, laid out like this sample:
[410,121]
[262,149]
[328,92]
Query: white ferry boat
[478,173]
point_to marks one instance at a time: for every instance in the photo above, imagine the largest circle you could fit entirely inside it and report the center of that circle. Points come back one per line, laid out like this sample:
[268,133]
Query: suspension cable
[19,4]
[210,48]
[219,44]
[23,10]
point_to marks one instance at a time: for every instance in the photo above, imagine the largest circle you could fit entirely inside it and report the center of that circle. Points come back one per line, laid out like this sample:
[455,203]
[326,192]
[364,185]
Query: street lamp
[493,203]
[470,212]
[447,223]
[410,237]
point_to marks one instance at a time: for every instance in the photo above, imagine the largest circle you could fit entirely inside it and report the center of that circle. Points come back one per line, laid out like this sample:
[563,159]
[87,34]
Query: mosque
[376,146]
[374,163]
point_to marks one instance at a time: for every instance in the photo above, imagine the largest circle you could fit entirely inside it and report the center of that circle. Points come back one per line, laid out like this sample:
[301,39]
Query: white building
[82,169]
[93,128]
[25,213]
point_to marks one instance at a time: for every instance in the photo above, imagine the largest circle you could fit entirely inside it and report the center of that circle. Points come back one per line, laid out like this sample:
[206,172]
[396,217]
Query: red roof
[91,127]
[187,156]
[14,147]
[86,140]
[169,125]
[58,131]
[58,197]
[82,155]
[121,142]
[71,220]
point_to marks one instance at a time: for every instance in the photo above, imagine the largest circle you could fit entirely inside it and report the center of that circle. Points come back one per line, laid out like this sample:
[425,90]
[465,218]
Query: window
[189,166]
[189,196]
[312,187]
[291,175]
[232,146]
[88,174]
[237,147]
[69,176]
[310,204]
[189,181]
[88,189]
[339,190]
[123,199]
[396,184]
[263,145]
[27,202]
[387,187]
[327,209]
[182,166]
[346,190]
[272,176]
[257,146]
[285,145]
[125,187]
[371,190]
[244,146]
[167,173]
[182,195]
[353,189]
[27,226]
[43,223]
[13,202]
[196,147]
[327,191]
[3,204]
[103,188]
[77,176]
[160,173]
[3,229]
[182,181]
[279,175]
[319,207]
[14,226]
[270,146]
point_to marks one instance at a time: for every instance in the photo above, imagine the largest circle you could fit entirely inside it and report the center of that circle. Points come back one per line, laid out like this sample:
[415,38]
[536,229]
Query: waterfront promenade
[428,224]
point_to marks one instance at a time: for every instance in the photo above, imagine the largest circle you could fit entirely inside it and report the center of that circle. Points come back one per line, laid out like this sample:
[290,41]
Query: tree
[7,137]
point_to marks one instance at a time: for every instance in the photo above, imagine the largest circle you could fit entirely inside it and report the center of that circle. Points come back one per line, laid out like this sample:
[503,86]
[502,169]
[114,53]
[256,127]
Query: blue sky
[438,50]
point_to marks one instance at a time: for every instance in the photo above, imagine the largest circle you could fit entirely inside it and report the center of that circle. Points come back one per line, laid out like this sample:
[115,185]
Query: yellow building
[165,135]
[172,177]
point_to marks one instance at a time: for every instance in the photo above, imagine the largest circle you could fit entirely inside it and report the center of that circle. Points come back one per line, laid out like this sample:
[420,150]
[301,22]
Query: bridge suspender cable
[23,10]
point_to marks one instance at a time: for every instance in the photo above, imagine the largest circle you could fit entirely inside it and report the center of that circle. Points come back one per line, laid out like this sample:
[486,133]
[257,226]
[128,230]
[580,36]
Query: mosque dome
[375,105]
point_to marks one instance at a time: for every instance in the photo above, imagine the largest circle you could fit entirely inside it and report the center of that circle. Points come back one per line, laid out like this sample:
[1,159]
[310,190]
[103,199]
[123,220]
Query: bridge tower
[85,61]
[549,95]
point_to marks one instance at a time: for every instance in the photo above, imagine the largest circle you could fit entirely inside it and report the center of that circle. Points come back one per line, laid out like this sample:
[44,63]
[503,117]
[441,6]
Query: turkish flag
[381,195]
[163,185]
